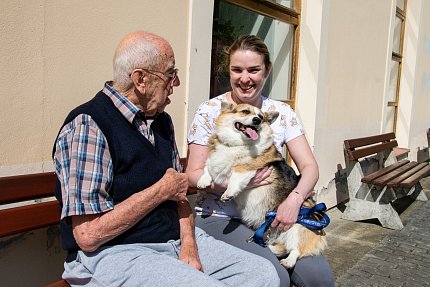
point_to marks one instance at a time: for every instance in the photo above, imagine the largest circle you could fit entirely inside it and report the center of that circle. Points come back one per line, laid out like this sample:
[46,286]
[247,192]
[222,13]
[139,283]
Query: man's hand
[174,185]
[190,255]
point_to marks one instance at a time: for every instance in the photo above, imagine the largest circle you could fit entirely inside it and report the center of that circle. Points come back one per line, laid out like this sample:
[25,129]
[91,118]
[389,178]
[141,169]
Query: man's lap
[158,265]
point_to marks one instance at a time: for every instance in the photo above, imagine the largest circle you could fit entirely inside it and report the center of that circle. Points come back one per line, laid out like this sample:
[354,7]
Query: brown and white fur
[243,144]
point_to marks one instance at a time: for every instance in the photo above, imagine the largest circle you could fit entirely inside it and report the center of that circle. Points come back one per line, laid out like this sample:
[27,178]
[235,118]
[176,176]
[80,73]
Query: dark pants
[310,271]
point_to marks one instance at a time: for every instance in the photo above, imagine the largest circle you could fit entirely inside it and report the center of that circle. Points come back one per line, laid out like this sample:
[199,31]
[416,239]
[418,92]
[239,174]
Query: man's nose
[176,82]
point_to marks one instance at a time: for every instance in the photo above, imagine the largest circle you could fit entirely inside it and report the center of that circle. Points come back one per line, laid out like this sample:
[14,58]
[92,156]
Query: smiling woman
[249,68]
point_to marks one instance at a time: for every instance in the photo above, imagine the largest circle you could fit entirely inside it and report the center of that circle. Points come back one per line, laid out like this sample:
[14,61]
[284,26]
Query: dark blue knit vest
[137,164]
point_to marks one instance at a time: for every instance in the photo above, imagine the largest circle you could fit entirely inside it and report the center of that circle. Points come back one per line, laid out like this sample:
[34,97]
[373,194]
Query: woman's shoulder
[275,105]
[212,105]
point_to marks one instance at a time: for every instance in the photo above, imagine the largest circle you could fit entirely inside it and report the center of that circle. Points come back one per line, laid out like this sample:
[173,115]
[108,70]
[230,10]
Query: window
[392,97]
[274,21]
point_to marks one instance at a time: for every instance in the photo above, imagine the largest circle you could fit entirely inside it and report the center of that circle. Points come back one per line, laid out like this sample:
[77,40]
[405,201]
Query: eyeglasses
[172,75]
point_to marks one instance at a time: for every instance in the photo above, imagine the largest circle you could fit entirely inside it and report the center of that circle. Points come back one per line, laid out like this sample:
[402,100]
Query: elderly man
[125,217]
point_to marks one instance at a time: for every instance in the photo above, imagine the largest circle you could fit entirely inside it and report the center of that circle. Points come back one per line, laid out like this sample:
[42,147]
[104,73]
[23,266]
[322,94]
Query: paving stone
[401,258]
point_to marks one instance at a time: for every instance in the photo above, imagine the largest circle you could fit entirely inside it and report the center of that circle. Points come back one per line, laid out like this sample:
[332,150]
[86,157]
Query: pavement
[366,254]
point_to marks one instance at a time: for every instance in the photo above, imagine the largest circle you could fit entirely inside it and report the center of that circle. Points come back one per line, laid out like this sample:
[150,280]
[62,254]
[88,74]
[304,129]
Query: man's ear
[138,78]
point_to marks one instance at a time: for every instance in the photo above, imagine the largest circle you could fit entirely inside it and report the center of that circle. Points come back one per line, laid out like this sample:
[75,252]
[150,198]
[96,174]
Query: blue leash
[304,218]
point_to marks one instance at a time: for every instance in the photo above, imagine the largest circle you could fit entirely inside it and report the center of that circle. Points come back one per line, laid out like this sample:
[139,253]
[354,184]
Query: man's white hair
[137,50]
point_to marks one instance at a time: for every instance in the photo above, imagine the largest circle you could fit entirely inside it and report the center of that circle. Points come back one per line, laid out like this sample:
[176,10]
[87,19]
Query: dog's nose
[256,120]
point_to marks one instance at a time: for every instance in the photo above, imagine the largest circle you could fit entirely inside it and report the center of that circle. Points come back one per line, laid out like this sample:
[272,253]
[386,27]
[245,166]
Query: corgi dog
[241,145]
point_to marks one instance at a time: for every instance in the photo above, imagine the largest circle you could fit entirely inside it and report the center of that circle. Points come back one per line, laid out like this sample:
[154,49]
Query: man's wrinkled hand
[174,185]
[190,255]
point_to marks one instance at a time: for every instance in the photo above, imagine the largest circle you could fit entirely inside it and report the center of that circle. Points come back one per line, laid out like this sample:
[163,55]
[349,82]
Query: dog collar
[304,218]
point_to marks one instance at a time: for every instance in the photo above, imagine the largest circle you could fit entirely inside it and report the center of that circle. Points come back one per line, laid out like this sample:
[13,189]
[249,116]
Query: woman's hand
[287,212]
[261,177]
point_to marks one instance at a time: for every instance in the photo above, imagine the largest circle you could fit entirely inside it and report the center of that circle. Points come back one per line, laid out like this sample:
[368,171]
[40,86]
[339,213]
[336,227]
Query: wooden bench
[423,154]
[18,189]
[375,179]
[29,205]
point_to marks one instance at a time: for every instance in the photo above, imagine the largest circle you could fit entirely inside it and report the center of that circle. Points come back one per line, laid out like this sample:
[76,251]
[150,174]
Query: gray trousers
[310,271]
[157,264]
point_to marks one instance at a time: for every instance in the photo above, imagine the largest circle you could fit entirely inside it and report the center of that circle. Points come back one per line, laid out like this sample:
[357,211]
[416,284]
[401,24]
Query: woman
[249,67]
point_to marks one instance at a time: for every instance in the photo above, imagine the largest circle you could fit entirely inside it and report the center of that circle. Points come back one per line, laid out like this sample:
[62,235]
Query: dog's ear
[225,106]
[271,116]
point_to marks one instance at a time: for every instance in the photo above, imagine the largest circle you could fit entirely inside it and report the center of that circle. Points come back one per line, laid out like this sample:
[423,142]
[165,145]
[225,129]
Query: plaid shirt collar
[127,108]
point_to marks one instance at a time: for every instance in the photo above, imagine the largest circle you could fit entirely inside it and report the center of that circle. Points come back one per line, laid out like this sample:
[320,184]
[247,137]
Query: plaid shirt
[83,162]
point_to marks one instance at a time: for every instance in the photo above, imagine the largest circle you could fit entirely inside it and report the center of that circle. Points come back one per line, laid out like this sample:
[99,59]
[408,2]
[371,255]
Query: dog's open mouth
[249,131]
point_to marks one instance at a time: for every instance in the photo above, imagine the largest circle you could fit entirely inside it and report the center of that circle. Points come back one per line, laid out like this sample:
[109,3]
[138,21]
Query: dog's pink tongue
[252,134]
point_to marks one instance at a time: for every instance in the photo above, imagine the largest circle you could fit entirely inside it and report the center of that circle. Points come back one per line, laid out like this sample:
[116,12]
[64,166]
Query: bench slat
[363,152]
[26,187]
[382,181]
[395,182]
[411,181]
[29,217]
[359,142]
[369,178]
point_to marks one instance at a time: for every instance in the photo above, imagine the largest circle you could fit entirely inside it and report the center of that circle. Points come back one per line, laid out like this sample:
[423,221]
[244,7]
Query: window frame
[398,57]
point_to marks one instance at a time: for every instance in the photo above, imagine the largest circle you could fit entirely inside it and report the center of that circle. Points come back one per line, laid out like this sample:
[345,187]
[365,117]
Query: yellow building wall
[57,54]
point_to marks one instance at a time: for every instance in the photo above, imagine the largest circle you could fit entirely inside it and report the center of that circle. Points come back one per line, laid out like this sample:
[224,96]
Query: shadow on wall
[336,191]
[423,155]
[37,255]
[339,184]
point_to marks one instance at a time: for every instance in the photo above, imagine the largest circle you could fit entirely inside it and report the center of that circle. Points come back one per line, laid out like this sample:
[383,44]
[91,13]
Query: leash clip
[250,239]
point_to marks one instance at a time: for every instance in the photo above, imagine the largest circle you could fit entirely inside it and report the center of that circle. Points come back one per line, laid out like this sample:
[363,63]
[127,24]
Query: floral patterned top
[286,127]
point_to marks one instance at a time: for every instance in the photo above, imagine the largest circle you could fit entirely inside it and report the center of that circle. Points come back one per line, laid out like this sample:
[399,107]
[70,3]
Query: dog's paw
[225,197]
[230,193]
[203,184]
[288,262]
[204,181]
[291,259]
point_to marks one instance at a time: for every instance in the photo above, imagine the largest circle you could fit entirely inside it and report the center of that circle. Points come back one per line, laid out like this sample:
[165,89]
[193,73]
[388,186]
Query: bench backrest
[362,147]
[33,215]
[17,189]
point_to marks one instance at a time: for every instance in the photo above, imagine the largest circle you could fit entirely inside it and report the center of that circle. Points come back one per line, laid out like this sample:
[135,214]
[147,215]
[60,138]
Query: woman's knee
[312,271]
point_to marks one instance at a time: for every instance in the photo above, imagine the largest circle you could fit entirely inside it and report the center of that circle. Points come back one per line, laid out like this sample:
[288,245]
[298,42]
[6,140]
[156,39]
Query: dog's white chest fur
[220,169]
[220,163]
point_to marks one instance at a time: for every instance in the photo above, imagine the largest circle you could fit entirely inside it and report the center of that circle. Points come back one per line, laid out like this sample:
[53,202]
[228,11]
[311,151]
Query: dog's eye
[246,112]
